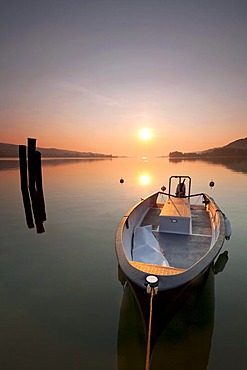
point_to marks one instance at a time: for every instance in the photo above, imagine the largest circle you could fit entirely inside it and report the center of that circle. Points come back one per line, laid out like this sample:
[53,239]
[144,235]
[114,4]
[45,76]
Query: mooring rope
[149,330]
[197,200]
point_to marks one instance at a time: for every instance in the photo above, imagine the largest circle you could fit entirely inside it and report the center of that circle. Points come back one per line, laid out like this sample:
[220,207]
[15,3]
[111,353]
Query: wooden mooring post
[39,187]
[31,185]
[24,186]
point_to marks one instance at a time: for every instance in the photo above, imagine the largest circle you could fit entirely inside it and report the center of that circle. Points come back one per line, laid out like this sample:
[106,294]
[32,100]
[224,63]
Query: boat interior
[183,250]
[170,234]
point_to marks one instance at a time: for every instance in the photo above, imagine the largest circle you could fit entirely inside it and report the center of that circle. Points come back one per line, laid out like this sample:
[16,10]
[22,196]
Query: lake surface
[59,291]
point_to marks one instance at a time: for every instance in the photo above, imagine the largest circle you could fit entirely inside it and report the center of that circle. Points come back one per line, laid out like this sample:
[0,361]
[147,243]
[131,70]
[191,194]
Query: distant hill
[237,148]
[12,151]
[237,144]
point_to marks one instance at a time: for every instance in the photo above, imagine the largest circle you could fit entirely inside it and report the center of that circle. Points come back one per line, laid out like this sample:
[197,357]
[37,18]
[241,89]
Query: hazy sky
[88,74]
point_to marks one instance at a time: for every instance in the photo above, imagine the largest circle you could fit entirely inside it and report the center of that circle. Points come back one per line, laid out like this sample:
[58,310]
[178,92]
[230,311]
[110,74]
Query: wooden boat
[168,240]
[166,245]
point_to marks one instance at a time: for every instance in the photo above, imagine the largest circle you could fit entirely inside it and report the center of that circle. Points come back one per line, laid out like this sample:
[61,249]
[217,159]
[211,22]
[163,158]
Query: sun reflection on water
[144,179]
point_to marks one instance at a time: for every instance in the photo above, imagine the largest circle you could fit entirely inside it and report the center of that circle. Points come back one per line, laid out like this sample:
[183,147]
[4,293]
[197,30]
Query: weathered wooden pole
[31,164]
[31,185]
[32,173]
[39,187]
[24,186]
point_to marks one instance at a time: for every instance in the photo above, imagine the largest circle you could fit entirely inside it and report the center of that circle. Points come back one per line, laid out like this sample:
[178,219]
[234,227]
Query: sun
[145,134]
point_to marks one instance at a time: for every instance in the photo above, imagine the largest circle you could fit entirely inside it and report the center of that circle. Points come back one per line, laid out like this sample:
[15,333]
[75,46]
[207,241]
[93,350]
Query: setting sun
[145,134]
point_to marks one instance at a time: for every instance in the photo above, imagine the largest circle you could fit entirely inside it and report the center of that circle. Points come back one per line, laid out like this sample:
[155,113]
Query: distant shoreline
[12,151]
[235,149]
[201,157]
[179,158]
[64,157]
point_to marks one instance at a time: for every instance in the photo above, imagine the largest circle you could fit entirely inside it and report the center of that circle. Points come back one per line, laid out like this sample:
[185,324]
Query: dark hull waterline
[177,314]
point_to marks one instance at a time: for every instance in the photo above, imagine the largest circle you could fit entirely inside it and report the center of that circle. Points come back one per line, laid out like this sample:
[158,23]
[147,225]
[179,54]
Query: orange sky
[88,78]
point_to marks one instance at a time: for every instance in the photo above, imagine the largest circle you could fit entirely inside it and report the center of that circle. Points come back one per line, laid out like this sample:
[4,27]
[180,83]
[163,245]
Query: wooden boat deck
[181,250]
[155,269]
[200,220]
[176,207]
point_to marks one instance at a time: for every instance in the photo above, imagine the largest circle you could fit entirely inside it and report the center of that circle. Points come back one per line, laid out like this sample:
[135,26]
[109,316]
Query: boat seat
[146,247]
[155,269]
[175,216]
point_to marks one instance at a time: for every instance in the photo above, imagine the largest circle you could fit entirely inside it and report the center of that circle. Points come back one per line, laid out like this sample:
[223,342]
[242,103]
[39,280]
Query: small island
[237,148]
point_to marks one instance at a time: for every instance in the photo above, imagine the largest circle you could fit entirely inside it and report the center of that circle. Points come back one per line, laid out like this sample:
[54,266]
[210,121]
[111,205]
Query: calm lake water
[59,291]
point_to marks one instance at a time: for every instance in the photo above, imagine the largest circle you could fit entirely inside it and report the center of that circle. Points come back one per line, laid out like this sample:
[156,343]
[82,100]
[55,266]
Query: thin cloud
[88,94]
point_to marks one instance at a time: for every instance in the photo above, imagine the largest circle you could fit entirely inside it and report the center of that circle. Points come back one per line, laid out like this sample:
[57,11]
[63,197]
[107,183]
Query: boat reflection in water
[181,334]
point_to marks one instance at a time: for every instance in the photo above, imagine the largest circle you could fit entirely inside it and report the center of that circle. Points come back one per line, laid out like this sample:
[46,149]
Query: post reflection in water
[185,341]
